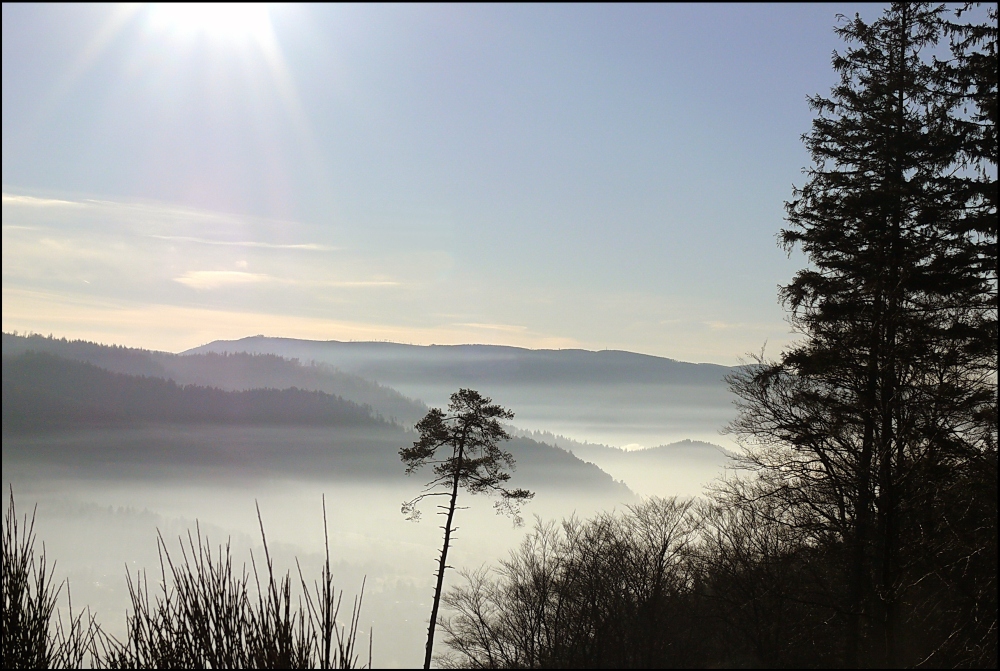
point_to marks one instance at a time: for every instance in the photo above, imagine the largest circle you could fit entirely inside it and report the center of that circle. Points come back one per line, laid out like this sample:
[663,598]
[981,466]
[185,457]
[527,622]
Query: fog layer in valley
[609,397]
[114,444]
[99,512]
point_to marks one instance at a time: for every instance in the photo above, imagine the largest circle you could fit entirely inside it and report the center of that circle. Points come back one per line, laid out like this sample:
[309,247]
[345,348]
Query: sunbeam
[214,20]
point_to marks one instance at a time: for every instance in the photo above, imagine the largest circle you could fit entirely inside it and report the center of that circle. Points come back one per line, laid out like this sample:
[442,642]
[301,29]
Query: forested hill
[610,397]
[231,372]
[43,391]
[482,364]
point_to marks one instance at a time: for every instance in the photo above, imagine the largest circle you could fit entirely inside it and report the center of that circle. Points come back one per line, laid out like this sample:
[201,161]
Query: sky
[546,176]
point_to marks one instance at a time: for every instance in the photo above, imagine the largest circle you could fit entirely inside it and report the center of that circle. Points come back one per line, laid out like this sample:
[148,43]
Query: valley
[116,445]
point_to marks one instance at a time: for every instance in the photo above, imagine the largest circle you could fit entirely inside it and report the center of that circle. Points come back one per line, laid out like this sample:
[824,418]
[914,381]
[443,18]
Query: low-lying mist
[609,397]
[116,445]
[618,414]
[99,518]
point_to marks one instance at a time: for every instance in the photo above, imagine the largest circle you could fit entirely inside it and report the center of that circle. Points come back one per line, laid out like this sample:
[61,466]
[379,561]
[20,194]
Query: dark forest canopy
[45,391]
[231,372]
[875,434]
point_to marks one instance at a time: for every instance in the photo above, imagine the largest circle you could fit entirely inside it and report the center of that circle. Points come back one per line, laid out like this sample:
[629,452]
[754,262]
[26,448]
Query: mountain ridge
[386,361]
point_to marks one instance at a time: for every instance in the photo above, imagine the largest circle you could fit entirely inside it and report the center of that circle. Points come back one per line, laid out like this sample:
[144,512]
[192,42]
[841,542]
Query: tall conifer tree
[888,387]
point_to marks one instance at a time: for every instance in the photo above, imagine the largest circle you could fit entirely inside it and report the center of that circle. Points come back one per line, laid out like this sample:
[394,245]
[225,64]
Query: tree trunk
[444,559]
[891,446]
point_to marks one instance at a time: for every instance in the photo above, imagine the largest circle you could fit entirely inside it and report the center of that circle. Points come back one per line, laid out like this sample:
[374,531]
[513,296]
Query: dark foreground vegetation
[863,531]
[203,613]
[711,584]
[462,447]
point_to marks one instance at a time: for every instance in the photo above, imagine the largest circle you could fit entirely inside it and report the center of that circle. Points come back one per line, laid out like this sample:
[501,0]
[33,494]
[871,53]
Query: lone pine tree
[462,446]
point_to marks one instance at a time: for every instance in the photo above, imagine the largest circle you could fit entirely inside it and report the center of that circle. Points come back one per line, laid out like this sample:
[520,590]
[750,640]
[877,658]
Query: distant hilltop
[474,364]
[610,397]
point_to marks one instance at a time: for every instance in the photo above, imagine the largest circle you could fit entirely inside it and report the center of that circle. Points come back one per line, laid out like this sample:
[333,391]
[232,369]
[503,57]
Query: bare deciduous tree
[605,593]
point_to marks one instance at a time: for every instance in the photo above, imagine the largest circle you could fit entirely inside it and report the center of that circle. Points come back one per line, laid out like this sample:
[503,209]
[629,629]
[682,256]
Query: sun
[230,21]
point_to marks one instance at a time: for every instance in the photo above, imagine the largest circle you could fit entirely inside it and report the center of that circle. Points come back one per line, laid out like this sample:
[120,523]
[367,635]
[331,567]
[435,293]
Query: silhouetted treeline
[863,532]
[46,391]
[41,391]
[672,583]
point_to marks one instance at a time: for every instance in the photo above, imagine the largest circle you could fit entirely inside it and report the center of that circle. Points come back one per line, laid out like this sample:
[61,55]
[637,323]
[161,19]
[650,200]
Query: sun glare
[217,20]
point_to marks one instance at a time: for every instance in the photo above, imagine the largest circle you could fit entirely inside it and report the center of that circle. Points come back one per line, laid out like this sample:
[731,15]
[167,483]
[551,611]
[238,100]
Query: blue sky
[546,176]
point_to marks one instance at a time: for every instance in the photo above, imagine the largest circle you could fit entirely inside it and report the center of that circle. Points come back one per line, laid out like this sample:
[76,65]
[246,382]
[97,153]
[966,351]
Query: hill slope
[45,391]
[231,372]
[681,468]
[611,397]
[71,414]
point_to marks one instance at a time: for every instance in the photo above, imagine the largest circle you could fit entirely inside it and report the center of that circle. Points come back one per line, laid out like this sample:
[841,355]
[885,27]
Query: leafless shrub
[204,616]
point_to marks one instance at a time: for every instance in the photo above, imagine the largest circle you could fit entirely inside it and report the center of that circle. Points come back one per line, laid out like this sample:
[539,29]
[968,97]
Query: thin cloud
[179,327]
[31,201]
[741,326]
[307,246]
[213,279]
[354,283]
[149,212]
[509,328]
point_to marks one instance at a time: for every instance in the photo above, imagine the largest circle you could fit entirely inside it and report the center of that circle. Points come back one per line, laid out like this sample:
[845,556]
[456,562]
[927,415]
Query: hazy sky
[546,176]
